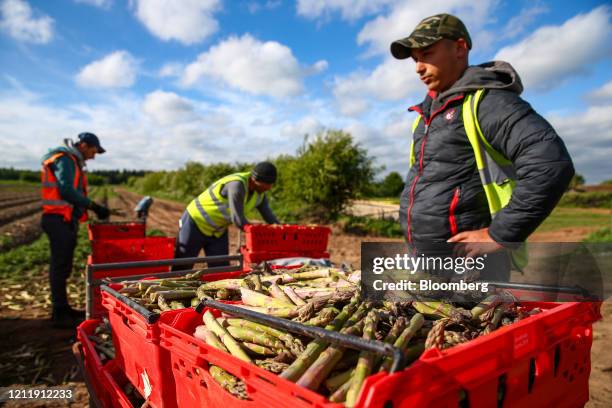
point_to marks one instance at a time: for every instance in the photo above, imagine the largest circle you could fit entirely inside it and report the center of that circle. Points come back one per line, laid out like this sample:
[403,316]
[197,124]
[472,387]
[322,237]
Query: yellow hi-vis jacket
[210,210]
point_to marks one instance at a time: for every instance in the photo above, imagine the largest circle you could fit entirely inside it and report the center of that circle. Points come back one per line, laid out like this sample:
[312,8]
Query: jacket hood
[490,75]
[67,147]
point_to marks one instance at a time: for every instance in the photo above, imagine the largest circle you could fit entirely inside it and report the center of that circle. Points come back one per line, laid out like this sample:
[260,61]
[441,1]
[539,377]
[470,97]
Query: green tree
[96,180]
[392,185]
[327,173]
[577,181]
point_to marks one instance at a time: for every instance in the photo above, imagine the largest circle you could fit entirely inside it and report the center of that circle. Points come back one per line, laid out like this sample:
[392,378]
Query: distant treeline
[95,178]
[316,183]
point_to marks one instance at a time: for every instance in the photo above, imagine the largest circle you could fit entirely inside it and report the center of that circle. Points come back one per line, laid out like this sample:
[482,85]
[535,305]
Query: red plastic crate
[127,250]
[138,354]
[190,359]
[286,238]
[137,347]
[250,257]
[115,381]
[91,360]
[116,230]
[543,360]
[132,249]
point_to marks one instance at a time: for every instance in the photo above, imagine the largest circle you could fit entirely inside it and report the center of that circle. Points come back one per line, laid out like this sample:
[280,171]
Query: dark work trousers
[62,240]
[190,240]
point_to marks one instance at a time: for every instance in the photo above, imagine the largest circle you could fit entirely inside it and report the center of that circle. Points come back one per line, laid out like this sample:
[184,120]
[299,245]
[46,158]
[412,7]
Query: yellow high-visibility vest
[210,210]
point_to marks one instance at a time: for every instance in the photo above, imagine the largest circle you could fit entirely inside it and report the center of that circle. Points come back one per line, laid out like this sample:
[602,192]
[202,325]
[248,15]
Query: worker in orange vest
[65,204]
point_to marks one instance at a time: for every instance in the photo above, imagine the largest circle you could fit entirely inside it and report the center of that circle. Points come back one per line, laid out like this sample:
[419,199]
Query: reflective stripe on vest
[52,201]
[210,210]
[414,126]
[497,173]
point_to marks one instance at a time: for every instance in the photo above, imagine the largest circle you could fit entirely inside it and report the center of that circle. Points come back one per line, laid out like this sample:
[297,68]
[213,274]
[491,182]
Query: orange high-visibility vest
[51,199]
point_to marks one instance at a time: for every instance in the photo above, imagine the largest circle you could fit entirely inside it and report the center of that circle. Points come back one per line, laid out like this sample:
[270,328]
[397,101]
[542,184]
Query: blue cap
[91,140]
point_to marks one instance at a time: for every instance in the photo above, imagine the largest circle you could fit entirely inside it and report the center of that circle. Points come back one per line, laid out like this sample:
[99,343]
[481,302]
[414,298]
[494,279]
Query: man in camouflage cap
[445,199]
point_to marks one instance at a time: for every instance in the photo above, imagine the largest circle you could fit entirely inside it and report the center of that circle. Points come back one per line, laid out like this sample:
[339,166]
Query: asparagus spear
[327,360]
[252,298]
[173,294]
[285,312]
[324,317]
[293,296]
[277,292]
[402,341]
[258,349]
[226,338]
[366,360]
[209,338]
[490,302]
[232,384]
[314,348]
[435,338]
[335,382]
[256,337]
[293,344]
[339,394]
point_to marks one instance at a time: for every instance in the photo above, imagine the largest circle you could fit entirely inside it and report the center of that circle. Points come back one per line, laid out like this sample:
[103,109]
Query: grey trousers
[190,241]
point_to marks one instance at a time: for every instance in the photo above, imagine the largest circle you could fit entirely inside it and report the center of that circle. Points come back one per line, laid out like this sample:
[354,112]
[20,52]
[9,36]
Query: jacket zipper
[451,212]
[420,172]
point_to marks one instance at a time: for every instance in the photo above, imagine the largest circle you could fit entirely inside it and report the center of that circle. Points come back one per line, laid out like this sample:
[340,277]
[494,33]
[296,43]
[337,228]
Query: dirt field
[27,334]
[19,215]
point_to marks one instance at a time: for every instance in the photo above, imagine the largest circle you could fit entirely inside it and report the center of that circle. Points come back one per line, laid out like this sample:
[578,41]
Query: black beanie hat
[264,172]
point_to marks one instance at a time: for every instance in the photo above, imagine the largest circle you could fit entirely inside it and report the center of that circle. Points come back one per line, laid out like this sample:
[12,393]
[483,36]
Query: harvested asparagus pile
[327,298]
[103,341]
[159,295]
[330,298]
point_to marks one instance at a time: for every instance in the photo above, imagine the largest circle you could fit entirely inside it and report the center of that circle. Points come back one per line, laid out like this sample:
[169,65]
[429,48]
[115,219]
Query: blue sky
[163,82]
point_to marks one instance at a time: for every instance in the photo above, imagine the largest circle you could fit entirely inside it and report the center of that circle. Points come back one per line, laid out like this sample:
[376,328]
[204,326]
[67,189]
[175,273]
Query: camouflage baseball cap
[429,31]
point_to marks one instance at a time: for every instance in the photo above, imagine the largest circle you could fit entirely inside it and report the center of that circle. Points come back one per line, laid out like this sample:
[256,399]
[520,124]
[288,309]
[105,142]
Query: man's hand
[471,244]
[101,212]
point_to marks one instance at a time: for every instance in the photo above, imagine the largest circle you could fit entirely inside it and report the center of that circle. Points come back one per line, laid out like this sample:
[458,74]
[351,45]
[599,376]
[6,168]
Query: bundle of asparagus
[336,371]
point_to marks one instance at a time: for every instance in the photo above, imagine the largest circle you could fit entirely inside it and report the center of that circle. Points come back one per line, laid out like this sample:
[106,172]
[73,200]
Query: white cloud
[128,126]
[349,9]
[245,63]
[167,108]
[255,6]
[103,4]
[19,22]
[588,137]
[171,69]
[553,54]
[186,21]
[379,33]
[309,125]
[116,70]
[518,24]
[388,143]
[603,94]
[392,80]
